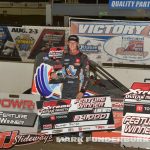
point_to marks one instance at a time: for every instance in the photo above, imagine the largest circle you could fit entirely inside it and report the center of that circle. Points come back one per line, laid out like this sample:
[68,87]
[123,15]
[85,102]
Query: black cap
[73,38]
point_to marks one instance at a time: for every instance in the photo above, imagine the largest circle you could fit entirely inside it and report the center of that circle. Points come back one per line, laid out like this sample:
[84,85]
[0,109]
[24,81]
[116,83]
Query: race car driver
[75,71]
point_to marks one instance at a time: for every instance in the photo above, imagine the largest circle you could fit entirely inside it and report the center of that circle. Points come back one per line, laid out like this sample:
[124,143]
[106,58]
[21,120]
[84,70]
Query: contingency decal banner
[24,43]
[136,120]
[18,112]
[71,115]
[109,41]
[131,4]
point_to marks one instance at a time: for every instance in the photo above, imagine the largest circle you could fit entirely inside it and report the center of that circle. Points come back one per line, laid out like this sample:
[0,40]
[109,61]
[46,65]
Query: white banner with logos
[71,115]
[113,41]
[136,120]
[19,112]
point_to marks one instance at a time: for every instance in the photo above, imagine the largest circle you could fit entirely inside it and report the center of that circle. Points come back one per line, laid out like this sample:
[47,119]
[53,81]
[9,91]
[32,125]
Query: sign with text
[18,112]
[129,4]
[9,139]
[71,115]
[113,41]
[136,114]
[24,43]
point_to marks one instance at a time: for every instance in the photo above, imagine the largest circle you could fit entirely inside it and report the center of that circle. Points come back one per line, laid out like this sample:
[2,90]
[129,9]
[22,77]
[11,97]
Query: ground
[72,146]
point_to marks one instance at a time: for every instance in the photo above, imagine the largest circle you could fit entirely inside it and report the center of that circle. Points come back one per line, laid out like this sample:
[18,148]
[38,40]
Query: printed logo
[56,52]
[138,94]
[47,126]
[71,71]
[139,108]
[41,79]
[24,42]
[88,46]
[11,138]
[53,118]
[77,60]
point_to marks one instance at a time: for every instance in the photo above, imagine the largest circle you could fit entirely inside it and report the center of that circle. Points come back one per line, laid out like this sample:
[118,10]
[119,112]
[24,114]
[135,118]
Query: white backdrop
[17,77]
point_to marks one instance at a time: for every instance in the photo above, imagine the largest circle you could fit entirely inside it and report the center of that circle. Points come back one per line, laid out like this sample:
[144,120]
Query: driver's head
[73,38]
[73,42]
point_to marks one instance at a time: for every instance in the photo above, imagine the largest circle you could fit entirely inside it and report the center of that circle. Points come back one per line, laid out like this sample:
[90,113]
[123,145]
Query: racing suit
[75,71]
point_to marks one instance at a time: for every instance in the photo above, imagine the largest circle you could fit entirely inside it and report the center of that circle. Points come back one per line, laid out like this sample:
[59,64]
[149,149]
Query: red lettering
[17,103]
[8,103]
[29,104]
[5,103]
[10,135]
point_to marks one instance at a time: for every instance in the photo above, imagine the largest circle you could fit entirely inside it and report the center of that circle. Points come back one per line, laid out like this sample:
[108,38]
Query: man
[75,72]
[75,66]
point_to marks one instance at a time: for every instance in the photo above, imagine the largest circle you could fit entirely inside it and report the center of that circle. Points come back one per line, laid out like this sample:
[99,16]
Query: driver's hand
[79,95]
[54,75]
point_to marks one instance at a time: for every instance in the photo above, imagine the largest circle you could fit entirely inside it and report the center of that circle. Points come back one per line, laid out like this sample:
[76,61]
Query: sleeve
[86,73]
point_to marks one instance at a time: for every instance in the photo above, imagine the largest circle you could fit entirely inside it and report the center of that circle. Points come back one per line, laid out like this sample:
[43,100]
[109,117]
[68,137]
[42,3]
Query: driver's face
[73,46]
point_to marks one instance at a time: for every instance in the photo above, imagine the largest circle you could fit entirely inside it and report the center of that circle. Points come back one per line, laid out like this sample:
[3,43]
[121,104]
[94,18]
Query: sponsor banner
[18,112]
[136,114]
[132,4]
[9,139]
[71,115]
[109,41]
[24,43]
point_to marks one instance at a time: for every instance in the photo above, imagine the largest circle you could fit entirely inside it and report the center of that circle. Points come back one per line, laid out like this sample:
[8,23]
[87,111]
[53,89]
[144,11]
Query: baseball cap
[73,38]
